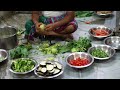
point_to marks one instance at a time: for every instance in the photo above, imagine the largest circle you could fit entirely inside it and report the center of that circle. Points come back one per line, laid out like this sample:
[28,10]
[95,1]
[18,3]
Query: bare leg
[65,34]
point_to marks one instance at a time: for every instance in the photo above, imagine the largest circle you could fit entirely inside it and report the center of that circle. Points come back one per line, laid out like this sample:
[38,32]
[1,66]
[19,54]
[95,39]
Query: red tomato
[79,62]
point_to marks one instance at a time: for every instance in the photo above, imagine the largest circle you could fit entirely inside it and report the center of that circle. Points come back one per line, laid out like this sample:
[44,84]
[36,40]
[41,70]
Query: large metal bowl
[108,49]
[104,14]
[72,56]
[3,54]
[8,37]
[109,30]
[113,41]
[22,73]
[48,77]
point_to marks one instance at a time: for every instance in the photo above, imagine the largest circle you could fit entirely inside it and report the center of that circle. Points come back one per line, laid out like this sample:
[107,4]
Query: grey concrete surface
[108,69]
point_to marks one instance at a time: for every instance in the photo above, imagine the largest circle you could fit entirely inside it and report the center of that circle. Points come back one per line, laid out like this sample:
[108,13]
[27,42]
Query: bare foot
[68,37]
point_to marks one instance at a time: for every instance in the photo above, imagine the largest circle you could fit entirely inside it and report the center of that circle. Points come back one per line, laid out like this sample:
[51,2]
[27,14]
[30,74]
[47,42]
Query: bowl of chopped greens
[3,55]
[101,52]
[22,65]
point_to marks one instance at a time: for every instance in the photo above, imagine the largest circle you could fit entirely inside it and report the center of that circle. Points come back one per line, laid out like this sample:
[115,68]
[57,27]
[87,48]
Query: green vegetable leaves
[81,45]
[21,51]
[81,14]
[99,53]
[22,65]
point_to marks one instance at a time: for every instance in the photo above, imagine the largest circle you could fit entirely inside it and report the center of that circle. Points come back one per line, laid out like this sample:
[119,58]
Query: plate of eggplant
[49,69]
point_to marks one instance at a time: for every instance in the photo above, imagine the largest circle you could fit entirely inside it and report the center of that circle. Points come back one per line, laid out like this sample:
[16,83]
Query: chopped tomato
[100,32]
[79,62]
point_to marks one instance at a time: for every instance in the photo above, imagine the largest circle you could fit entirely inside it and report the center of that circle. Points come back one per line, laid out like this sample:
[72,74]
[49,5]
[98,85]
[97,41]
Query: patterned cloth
[30,27]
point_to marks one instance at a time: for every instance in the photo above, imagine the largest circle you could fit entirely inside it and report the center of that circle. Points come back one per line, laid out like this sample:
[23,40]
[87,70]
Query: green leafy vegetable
[22,65]
[81,14]
[99,53]
[73,46]
[20,51]
[81,45]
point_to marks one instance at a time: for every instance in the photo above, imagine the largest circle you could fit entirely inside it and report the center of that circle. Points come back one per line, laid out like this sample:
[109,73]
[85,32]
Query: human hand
[37,25]
[50,27]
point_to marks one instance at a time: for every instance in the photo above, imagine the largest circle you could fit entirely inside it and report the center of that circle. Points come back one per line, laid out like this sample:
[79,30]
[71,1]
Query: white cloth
[53,13]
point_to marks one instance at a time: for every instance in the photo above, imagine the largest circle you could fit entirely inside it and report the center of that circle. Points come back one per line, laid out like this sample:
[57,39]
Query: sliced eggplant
[49,67]
[43,70]
[39,68]
[40,73]
[49,62]
[43,63]
[52,71]
[55,65]
[59,66]
[56,71]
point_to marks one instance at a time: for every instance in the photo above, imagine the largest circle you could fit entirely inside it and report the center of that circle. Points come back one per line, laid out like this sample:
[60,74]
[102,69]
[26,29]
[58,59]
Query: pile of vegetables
[99,53]
[20,51]
[22,65]
[81,45]
[81,14]
[79,62]
[46,48]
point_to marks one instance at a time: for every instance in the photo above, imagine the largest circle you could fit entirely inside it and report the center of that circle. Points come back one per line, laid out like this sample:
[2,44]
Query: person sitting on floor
[57,23]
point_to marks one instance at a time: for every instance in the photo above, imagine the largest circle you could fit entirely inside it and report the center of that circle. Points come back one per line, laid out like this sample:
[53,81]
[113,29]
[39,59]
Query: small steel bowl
[108,49]
[109,30]
[72,56]
[48,77]
[104,15]
[113,41]
[22,73]
[3,54]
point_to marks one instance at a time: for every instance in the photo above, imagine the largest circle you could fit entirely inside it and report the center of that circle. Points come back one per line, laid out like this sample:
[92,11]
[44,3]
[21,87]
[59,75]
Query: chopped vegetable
[22,65]
[100,32]
[79,62]
[49,68]
[99,53]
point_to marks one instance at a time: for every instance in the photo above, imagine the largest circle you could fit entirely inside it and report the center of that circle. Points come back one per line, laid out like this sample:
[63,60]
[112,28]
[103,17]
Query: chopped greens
[99,53]
[22,65]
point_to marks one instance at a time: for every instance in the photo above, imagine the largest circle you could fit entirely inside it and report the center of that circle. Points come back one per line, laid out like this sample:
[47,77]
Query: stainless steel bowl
[108,49]
[8,37]
[110,31]
[53,76]
[113,41]
[72,56]
[103,15]
[11,70]
[3,54]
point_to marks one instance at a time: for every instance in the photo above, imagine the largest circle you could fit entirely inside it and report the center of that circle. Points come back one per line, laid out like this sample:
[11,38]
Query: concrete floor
[99,70]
